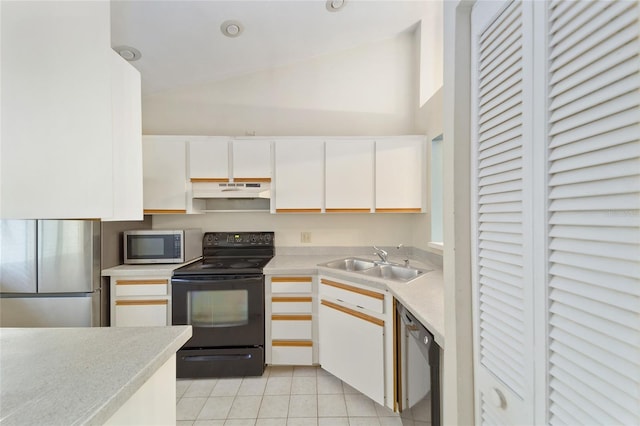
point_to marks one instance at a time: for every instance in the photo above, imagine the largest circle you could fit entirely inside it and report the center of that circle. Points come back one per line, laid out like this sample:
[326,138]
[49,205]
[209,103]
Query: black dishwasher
[418,365]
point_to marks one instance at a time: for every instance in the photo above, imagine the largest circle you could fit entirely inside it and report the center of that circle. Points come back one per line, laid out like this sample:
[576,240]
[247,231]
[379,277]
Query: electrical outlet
[305,237]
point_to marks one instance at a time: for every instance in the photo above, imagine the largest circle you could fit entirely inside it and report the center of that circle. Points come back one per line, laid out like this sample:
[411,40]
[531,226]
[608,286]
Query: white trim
[539,214]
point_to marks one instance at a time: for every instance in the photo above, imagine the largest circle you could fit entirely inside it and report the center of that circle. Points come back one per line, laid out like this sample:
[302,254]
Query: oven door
[224,311]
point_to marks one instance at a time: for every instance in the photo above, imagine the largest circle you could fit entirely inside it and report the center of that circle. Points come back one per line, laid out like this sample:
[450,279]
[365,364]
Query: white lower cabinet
[352,348]
[141,313]
[356,343]
[291,326]
[141,301]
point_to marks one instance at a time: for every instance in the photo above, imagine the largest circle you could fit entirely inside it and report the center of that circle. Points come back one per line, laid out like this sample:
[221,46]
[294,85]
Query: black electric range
[222,298]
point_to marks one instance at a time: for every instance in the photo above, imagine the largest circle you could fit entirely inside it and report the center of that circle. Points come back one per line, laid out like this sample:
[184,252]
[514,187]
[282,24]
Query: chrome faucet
[381,254]
[406,258]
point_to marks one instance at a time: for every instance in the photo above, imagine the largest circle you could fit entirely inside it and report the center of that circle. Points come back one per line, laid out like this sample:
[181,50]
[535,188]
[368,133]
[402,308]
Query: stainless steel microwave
[161,246]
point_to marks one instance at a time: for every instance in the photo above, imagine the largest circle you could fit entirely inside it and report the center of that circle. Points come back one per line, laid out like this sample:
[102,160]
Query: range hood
[245,190]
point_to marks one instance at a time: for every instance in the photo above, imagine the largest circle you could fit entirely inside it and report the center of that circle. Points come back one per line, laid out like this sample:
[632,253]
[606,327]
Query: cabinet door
[251,160]
[593,211]
[352,348]
[503,370]
[56,139]
[299,176]
[127,140]
[349,175]
[142,313]
[209,159]
[165,174]
[400,175]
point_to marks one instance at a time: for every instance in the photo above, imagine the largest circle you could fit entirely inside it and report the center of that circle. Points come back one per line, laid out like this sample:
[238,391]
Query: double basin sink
[389,271]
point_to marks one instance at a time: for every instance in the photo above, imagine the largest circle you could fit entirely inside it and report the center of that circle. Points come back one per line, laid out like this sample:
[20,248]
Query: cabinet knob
[498,399]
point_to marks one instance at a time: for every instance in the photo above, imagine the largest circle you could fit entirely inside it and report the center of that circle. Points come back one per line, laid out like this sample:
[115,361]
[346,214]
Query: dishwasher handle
[422,336]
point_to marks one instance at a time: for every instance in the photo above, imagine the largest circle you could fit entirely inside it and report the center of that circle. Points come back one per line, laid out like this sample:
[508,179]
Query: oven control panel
[237,239]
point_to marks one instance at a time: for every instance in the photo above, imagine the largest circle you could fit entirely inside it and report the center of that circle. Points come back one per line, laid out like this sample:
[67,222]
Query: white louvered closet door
[502,241]
[594,211]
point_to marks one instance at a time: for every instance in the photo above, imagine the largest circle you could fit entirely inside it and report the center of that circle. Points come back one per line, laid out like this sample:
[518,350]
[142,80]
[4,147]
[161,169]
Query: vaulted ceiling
[181,42]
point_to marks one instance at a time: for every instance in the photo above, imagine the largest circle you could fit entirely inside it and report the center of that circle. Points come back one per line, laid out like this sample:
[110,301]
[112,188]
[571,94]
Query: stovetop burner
[232,252]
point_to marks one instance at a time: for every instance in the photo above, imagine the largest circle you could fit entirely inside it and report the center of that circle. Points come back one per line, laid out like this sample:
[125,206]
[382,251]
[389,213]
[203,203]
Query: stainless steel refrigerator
[50,273]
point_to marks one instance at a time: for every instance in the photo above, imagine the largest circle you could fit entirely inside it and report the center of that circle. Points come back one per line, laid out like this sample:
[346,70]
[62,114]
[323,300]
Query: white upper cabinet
[127,141]
[299,175]
[223,159]
[349,175]
[251,160]
[165,174]
[56,110]
[400,174]
[209,158]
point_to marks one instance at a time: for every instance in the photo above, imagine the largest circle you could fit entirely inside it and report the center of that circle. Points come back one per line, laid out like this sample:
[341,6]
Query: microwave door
[18,256]
[67,252]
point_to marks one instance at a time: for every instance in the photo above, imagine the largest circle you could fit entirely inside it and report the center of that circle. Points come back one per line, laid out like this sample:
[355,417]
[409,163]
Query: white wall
[370,90]
[430,34]
[327,230]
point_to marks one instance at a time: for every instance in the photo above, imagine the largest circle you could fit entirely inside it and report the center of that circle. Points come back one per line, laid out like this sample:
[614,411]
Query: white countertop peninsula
[65,376]
[144,269]
[423,296]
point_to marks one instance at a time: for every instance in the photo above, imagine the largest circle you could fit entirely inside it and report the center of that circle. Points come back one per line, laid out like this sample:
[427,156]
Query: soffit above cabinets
[181,43]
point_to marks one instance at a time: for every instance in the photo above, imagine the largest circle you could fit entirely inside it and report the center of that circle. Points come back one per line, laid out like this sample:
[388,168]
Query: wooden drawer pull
[290,299]
[348,210]
[254,179]
[164,211]
[141,302]
[209,180]
[351,312]
[141,282]
[283,317]
[298,210]
[400,210]
[301,343]
[291,279]
[353,289]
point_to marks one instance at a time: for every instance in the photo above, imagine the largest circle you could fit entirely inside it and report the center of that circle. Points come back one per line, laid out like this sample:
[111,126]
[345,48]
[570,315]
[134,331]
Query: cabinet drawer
[288,352]
[291,305]
[291,327]
[142,287]
[141,313]
[366,299]
[291,284]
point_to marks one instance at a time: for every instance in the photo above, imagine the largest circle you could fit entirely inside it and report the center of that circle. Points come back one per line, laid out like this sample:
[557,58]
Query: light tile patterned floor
[283,396]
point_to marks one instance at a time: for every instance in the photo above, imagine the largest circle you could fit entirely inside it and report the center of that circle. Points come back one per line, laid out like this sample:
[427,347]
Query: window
[436,192]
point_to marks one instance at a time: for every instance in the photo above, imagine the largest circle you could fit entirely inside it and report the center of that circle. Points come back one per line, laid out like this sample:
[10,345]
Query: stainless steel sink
[350,264]
[394,272]
[388,271]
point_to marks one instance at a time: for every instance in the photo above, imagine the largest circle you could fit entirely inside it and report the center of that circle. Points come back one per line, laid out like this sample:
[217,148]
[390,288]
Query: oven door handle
[209,358]
[217,280]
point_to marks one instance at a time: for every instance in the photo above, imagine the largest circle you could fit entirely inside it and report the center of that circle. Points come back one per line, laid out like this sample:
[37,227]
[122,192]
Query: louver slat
[564,11]
[616,64]
[578,38]
[610,378]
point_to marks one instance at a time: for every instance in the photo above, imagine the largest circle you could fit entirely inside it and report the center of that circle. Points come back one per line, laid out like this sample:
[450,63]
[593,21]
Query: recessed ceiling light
[335,5]
[231,28]
[129,53]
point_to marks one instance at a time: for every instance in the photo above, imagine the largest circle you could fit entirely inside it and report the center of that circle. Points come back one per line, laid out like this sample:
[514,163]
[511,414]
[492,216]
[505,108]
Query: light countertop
[64,376]
[148,269]
[423,296]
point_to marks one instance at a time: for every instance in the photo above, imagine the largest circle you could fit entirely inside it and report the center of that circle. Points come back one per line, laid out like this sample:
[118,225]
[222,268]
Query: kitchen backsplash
[324,230]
